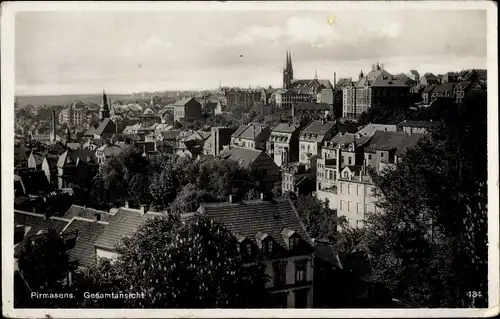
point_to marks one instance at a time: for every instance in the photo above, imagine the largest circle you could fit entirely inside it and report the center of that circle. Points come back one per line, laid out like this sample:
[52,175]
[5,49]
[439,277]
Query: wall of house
[31,162]
[290,279]
[192,111]
[330,195]
[307,147]
[355,200]
[269,169]
[412,130]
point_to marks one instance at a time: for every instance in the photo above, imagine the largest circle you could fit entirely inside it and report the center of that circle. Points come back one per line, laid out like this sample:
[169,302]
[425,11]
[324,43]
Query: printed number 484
[474,294]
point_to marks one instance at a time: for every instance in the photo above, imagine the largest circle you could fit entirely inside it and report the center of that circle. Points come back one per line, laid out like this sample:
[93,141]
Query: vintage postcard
[249,159]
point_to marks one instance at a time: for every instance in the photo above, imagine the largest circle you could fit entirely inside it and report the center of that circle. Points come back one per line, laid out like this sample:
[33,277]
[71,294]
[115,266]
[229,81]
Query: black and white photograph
[225,158]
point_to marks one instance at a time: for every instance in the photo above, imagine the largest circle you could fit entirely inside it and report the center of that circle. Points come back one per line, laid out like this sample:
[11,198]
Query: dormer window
[248,249]
[267,246]
[293,242]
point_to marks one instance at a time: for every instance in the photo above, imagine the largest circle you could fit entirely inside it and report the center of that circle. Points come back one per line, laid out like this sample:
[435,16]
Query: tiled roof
[250,131]
[34,223]
[184,101]
[86,212]
[73,145]
[106,126]
[385,141]
[88,232]
[344,82]
[317,128]
[308,82]
[462,86]
[419,124]
[244,156]
[285,128]
[370,129]
[111,150]
[269,217]
[429,88]
[326,252]
[170,134]
[445,87]
[123,224]
[409,142]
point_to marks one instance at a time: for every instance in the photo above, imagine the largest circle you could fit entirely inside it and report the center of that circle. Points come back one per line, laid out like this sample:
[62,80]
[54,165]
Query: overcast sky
[125,52]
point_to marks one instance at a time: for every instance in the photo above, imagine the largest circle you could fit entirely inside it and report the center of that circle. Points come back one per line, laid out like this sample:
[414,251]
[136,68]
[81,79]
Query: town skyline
[247,50]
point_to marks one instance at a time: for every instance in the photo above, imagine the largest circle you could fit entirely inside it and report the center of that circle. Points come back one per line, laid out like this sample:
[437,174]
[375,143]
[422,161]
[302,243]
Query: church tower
[288,71]
[104,111]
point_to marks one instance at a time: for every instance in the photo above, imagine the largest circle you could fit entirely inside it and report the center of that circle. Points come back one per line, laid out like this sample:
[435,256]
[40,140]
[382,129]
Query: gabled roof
[444,87]
[385,141]
[34,181]
[244,156]
[39,157]
[123,224]
[86,212]
[318,128]
[285,128]
[250,131]
[248,218]
[463,86]
[106,126]
[73,145]
[111,150]
[429,88]
[74,156]
[326,252]
[184,101]
[370,129]
[88,231]
[344,82]
[170,135]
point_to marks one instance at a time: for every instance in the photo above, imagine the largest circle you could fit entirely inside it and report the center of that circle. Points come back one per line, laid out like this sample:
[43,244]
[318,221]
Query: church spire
[316,74]
[104,111]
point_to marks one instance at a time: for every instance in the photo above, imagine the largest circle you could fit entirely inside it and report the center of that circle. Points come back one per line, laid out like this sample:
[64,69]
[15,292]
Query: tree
[44,265]
[430,244]
[319,220]
[191,265]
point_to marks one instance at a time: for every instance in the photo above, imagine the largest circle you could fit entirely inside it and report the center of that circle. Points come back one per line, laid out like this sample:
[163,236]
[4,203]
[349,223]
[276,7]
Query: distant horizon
[72,52]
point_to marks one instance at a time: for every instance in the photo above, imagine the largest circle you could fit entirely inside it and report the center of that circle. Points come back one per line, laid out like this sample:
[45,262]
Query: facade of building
[270,232]
[76,167]
[243,98]
[187,109]
[296,177]
[419,127]
[376,89]
[312,137]
[218,139]
[283,144]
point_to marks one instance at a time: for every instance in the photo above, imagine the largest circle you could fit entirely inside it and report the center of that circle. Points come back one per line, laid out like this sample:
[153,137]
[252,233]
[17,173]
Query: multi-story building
[106,151]
[76,167]
[244,98]
[340,151]
[251,136]
[376,89]
[270,232]
[312,137]
[429,79]
[381,148]
[297,177]
[445,90]
[187,109]
[283,144]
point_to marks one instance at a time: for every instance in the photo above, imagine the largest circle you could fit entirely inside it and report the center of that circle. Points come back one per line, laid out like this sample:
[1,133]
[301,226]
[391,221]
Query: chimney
[143,209]
[334,80]
[97,217]
[126,204]
[53,138]
[231,198]
[262,196]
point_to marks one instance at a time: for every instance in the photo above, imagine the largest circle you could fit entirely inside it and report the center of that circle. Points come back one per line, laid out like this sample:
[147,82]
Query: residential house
[187,109]
[31,183]
[449,77]
[192,145]
[340,151]
[297,177]
[106,151]
[429,79]
[283,144]
[123,224]
[462,90]
[370,129]
[412,127]
[271,232]
[381,148]
[258,162]
[49,166]
[251,136]
[427,94]
[76,167]
[218,139]
[312,137]
[445,90]
[303,113]
[35,160]
[408,143]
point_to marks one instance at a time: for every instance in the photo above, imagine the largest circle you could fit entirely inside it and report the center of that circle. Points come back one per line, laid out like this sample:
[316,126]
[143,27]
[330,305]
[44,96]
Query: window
[381,154]
[359,208]
[342,188]
[279,269]
[293,242]
[341,205]
[302,147]
[249,249]
[350,160]
[349,189]
[268,246]
[349,207]
[301,271]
